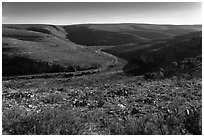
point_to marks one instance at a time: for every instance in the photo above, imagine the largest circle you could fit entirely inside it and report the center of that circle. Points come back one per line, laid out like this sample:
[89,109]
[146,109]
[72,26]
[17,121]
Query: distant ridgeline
[120,34]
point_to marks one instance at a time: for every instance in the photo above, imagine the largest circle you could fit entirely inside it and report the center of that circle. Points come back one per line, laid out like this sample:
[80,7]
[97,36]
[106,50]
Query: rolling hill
[147,57]
[106,103]
[120,34]
[29,49]
[38,48]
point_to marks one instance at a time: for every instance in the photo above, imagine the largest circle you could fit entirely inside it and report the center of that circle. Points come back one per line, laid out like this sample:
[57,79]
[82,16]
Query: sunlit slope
[45,29]
[43,49]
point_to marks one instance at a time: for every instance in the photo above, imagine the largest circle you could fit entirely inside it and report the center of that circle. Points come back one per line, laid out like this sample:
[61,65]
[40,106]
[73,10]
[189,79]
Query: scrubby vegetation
[111,104]
[166,99]
[125,107]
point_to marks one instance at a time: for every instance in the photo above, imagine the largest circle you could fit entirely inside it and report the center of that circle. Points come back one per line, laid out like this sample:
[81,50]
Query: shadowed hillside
[119,34]
[146,57]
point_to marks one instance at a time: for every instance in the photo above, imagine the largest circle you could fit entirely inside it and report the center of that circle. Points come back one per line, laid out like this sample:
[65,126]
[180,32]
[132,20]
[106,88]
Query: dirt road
[103,68]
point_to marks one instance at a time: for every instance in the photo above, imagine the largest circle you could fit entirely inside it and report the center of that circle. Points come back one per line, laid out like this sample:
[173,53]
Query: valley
[101,79]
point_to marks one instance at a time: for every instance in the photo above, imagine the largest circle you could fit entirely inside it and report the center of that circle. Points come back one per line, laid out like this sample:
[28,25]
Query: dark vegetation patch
[21,65]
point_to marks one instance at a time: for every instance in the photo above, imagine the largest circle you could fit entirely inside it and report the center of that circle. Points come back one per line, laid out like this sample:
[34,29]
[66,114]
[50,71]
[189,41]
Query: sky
[66,13]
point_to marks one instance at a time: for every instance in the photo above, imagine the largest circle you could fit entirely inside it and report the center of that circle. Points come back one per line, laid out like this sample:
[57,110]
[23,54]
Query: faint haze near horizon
[66,13]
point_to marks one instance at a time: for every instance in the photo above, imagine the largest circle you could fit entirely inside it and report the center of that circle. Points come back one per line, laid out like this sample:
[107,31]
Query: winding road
[103,68]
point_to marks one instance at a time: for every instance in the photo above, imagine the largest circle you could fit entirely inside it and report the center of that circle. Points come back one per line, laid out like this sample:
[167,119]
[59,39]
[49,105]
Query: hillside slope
[29,49]
[119,34]
[150,57]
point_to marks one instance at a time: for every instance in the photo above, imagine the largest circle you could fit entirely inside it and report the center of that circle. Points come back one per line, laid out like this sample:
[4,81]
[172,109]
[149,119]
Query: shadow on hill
[21,65]
[172,52]
[85,36]
[137,68]
[120,34]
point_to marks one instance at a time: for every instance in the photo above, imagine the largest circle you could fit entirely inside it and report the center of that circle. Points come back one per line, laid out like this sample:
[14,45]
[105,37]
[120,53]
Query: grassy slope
[149,57]
[45,45]
[119,34]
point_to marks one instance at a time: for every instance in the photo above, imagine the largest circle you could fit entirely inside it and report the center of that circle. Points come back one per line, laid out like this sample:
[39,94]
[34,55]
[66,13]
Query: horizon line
[95,24]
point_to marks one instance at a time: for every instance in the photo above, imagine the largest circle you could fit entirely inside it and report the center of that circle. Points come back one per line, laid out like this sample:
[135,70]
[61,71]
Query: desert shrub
[176,118]
[52,98]
[11,119]
[115,126]
[130,125]
[192,121]
[134,126]
[47,121]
